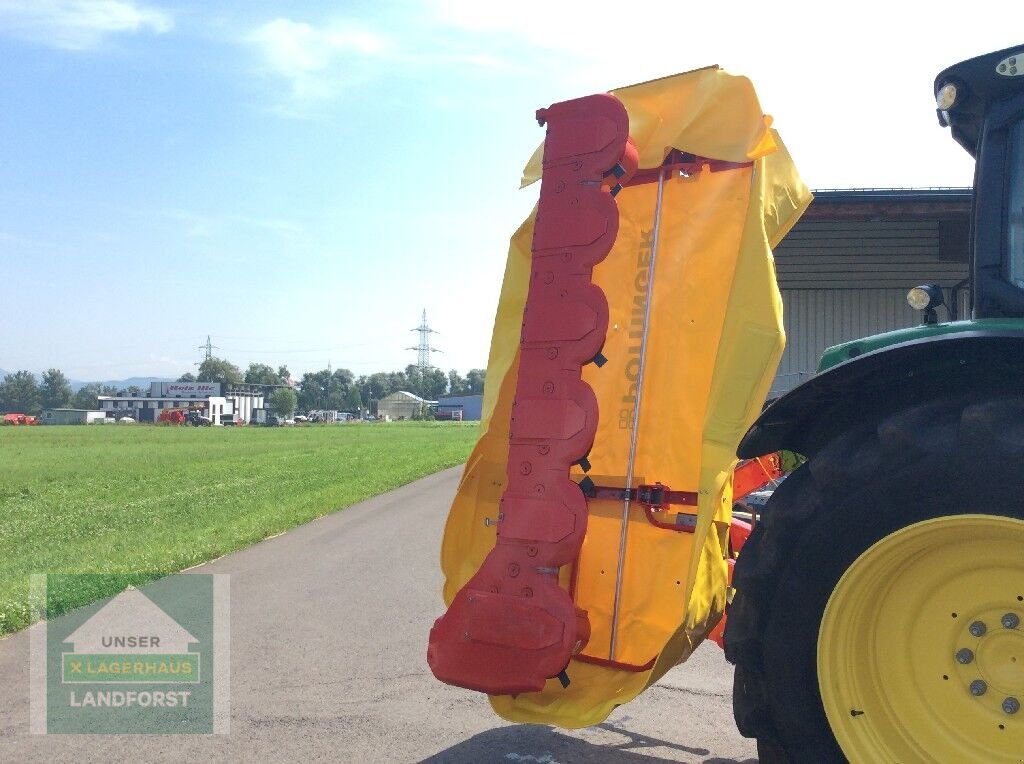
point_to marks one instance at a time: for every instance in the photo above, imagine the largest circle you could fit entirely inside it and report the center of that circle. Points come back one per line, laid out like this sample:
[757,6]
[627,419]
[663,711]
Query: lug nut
[1011,705]
[978,628]
[1011,621]
[964,656]
[978,687]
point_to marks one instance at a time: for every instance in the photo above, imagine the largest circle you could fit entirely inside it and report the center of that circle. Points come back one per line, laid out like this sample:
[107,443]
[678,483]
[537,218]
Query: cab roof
[979,81]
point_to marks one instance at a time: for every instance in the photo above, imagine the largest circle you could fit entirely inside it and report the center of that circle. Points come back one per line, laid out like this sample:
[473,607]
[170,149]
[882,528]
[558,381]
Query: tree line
[329,389]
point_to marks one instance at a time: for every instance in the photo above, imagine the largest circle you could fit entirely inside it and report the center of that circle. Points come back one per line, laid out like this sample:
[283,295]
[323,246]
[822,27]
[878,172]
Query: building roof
[186,398]
[889,204]
[900,195]
[404,395]
[458,400]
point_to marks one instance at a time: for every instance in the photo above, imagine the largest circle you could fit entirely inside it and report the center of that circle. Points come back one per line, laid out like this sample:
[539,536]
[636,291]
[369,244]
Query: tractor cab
[981,100]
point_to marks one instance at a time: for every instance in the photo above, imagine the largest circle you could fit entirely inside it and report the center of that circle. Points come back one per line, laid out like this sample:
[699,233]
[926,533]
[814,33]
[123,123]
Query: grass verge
[144,502]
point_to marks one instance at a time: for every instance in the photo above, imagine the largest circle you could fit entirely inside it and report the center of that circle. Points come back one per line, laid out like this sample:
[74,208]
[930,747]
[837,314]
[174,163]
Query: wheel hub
[921,650]
[995,675]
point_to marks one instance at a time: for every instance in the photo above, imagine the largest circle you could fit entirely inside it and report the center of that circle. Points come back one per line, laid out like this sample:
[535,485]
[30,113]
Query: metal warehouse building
[402,405]
[845,268]
[467,406]
[72,416]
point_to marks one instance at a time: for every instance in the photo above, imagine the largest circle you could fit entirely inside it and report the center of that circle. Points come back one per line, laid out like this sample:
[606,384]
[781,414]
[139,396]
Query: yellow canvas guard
[714,339]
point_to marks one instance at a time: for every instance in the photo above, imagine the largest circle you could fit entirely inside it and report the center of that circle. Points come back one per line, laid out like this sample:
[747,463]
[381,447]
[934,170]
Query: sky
[300,180]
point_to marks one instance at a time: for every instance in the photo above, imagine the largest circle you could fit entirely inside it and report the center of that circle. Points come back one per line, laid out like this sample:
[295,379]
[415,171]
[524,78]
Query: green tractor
[879,604]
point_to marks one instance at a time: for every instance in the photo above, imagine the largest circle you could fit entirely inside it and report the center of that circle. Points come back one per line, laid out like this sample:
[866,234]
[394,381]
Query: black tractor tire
[940,458]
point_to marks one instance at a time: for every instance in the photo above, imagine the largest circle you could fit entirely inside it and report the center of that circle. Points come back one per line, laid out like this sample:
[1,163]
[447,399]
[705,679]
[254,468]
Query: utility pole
[423,349]
[209,347]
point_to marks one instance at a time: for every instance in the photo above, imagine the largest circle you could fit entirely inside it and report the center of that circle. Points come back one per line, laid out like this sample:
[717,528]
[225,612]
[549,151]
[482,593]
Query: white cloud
[309,57]
[212,224]
[79,24]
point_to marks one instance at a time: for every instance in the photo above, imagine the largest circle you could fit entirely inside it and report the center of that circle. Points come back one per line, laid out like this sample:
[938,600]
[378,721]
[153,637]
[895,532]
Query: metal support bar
[636,418]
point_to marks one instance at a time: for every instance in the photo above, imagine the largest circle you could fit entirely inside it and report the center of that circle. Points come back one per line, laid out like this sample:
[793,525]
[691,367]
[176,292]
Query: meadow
[144,501]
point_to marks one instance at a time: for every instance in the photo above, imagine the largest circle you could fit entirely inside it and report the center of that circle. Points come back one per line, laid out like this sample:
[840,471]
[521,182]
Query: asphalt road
[329,626]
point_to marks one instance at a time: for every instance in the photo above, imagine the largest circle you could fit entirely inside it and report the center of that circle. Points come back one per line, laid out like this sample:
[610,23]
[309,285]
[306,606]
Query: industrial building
[846,266]
[72,416]
[462,407]
[237,403]
[402,405]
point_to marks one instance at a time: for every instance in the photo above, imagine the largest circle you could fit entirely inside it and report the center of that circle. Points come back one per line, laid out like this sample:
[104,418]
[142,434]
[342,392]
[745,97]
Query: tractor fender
[872,385]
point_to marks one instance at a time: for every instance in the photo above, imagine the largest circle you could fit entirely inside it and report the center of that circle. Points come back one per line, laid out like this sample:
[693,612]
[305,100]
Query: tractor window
[1015,200]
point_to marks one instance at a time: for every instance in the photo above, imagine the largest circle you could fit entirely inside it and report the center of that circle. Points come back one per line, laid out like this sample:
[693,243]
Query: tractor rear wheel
[879,612]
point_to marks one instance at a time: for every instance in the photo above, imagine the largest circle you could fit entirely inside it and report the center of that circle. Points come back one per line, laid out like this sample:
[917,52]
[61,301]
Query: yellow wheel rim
[921,647]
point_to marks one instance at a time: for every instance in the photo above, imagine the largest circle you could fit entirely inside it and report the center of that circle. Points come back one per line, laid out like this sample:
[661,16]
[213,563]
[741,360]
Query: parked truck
[876,608]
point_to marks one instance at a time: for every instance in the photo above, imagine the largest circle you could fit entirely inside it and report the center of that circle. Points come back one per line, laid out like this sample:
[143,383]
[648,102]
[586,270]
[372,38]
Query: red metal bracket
[756,473]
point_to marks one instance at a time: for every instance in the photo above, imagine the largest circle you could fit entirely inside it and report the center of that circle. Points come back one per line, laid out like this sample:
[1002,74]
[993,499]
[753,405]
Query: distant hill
[78,384]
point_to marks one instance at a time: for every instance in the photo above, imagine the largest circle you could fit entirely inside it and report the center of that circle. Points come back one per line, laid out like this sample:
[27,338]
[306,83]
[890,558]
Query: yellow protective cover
[714,341]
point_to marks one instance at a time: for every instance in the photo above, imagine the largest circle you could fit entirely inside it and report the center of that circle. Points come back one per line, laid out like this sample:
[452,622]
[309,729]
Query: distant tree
[338,386]
[219,370]
[86,398]
[284,374]
[109,390]
[397,380]
[353,401]
[261,374]
[54,389]
[187,377]
[457,384]
[325,389]
[313,390]
[475,379]
[133,390]
[433,383]
[376,387]
[414,380]
[283,401]
[20,394]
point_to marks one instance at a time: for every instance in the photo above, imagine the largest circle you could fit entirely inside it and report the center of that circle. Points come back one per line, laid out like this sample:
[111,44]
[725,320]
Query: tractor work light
[1011,66]
[925,297]
[946,97]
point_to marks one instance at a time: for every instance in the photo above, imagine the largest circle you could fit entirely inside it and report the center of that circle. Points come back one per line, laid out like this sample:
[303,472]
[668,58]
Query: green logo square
[149,660]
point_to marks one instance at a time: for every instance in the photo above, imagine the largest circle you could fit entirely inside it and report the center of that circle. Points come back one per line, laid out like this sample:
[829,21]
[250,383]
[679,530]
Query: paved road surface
[328,640]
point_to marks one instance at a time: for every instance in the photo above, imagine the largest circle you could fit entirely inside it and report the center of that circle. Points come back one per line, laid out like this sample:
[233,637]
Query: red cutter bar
[512,626]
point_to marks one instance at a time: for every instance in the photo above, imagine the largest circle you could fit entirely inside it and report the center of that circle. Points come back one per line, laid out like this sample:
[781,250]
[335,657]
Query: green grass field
[148,501]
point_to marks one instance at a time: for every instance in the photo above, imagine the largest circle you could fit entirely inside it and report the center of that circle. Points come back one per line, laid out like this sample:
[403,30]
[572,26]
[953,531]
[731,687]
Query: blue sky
[300,179]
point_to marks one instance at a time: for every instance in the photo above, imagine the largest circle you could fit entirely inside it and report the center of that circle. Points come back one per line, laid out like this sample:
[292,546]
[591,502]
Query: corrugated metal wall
[825,254]
[819,318]
[842,280]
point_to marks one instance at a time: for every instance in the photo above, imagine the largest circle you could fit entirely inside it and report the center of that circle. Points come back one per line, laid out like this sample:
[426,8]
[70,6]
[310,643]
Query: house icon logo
[130,640]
